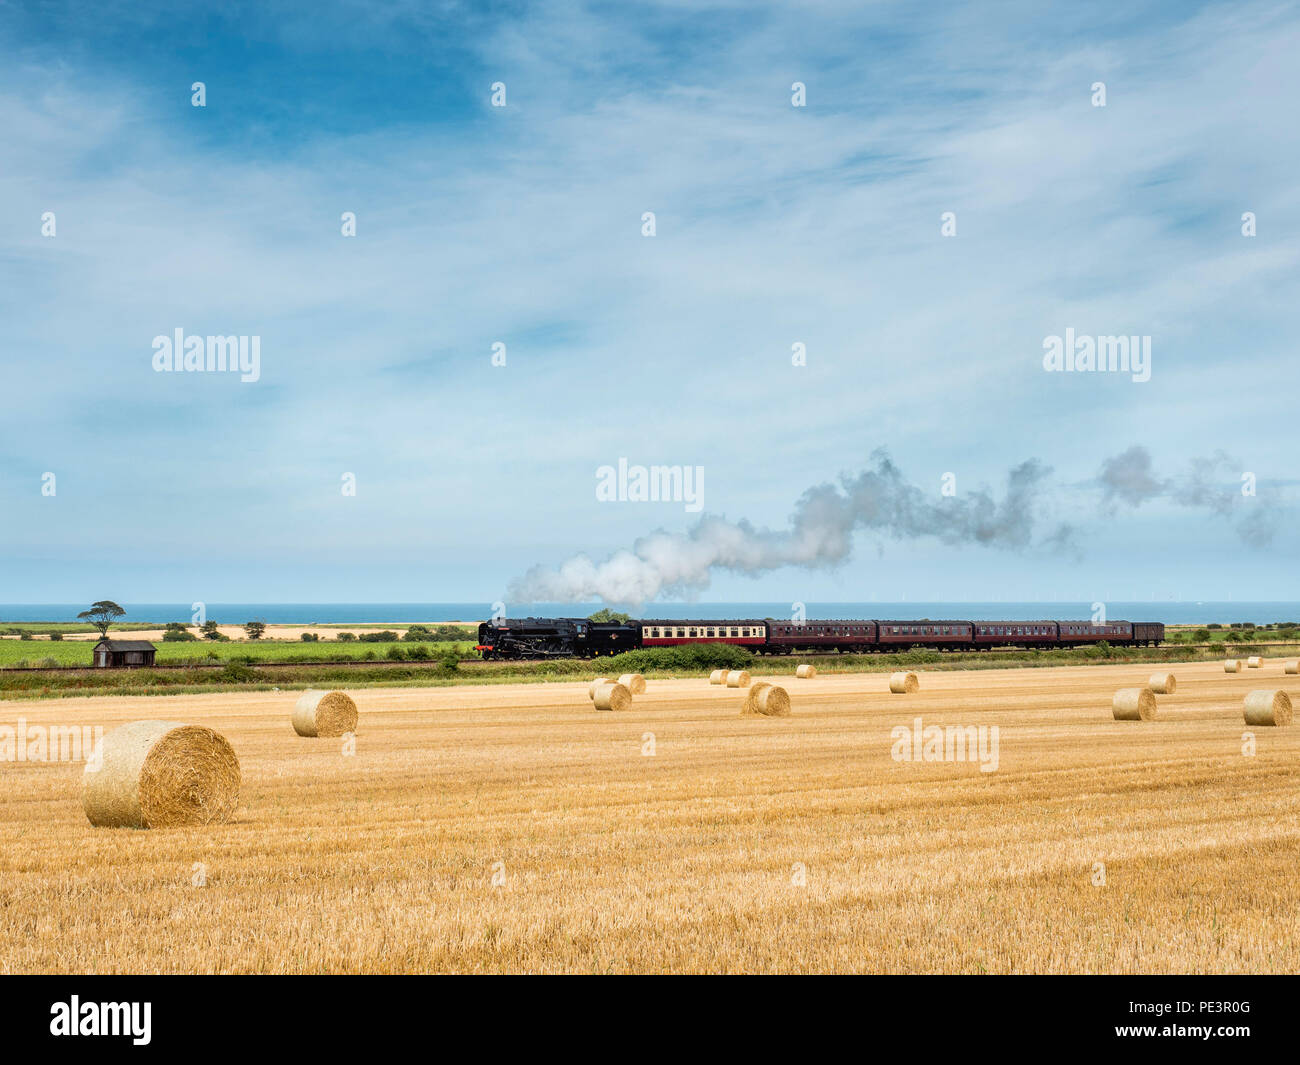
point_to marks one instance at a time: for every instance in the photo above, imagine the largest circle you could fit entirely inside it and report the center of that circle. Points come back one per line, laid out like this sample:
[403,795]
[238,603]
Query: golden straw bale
[1268,708]
[1134,704]
[159,774]
[325,714]
[906,682]
[613,697]
[1162,683]
[773,701]
[750,705]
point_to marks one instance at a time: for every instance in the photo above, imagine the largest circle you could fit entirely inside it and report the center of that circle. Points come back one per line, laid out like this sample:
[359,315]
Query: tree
[255,629]
[210,630]
[102,615]
[607,615]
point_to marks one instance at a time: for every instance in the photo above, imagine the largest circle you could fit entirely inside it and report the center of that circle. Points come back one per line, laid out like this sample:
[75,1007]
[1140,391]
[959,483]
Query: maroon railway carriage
[671,633]
[942,635]
[785,637]
[1079,632]
[1015,633]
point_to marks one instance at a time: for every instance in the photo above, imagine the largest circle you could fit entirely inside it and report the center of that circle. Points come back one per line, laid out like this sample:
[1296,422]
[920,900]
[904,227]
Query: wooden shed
[124,654]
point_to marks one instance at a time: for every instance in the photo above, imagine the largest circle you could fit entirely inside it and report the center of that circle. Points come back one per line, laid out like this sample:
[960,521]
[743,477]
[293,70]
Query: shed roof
[126,645]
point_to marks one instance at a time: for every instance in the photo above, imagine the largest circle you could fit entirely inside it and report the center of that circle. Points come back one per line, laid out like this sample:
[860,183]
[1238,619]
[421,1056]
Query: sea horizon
[1176,613]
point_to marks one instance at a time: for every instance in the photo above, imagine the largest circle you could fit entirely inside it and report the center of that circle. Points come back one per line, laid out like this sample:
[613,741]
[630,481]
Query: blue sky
[522,225]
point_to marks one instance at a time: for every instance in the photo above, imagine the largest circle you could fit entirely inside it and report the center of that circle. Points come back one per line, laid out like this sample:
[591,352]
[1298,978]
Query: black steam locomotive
[556,638]
[583,638]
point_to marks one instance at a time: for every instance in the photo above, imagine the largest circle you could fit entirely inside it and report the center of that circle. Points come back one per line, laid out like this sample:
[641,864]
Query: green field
[78,652]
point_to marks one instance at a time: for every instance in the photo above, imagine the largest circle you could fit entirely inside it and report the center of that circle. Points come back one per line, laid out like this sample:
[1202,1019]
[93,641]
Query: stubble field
[514,828]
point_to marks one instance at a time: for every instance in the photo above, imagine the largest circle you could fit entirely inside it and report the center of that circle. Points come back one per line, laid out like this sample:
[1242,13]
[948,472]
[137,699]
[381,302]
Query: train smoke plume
[820,534]
[1210,484]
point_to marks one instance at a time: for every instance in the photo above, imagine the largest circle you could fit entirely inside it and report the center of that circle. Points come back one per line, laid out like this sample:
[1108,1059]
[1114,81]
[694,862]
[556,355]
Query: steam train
[583,638]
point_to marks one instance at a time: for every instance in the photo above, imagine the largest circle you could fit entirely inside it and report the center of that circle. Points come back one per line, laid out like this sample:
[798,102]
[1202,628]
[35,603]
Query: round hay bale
[158,774]
[613,697]
[900,683]
[1162,683]
[737,678]
[591,690]
[1268,708]
[750,705]
[1254,662]
[633,682]
[807,672]
[324,714]
[772,701]
[718,676]
[1134,704]
[1232,665]
[1293,666]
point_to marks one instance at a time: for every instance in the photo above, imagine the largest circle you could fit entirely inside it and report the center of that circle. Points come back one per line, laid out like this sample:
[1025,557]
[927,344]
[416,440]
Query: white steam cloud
[820,534]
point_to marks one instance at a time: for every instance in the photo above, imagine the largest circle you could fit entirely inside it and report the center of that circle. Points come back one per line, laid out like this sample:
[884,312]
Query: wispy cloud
[522,225]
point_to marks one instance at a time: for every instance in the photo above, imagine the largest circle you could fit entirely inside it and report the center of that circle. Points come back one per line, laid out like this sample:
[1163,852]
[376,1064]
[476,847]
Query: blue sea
[406,613]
